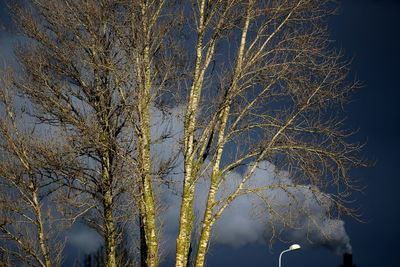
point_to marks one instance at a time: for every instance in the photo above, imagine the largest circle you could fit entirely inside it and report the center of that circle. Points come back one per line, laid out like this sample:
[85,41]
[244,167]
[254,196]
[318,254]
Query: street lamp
[292,247]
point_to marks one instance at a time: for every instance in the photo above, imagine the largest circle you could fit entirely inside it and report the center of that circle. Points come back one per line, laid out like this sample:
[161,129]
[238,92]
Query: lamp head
[294,247]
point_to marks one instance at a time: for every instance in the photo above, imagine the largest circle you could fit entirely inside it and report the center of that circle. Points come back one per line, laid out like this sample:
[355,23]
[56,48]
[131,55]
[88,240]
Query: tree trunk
[40,229]
[109,230]
[185,229]
[148,202]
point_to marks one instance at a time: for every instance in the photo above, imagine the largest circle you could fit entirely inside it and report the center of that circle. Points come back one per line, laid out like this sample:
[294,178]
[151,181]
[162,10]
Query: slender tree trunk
[185,229]
[143,245]
[109,232]
[40,228]
[148,202]
[186,214]
[109,229]
[207,224]
[208,214]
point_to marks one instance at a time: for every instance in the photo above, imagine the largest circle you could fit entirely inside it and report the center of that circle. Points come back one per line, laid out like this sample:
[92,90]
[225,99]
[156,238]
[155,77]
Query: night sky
[368,32]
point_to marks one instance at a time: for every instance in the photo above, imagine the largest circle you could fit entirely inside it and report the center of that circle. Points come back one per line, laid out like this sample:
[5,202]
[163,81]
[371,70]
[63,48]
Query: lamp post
[292,247]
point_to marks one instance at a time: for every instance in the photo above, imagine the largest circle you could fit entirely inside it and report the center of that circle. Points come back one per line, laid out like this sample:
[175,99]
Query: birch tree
[266,86]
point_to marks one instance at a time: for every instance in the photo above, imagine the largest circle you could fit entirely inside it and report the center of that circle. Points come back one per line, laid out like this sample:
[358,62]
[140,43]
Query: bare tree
[93,71]
[27,215]
[272,97]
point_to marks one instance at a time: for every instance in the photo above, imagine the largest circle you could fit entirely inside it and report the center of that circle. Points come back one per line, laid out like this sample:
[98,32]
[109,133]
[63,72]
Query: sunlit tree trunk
[147,200]
[109,228]
[41,231]
[190,168]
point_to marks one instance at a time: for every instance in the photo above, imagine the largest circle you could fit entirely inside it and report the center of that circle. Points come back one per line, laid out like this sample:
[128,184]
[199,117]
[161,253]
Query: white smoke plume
[246,221]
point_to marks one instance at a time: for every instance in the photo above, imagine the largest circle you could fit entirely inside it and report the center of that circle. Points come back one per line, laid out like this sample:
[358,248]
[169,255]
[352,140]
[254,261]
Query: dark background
[368,32]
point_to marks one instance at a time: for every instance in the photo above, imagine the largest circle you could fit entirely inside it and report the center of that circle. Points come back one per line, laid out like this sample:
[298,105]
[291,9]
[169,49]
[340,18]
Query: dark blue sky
[368,31]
